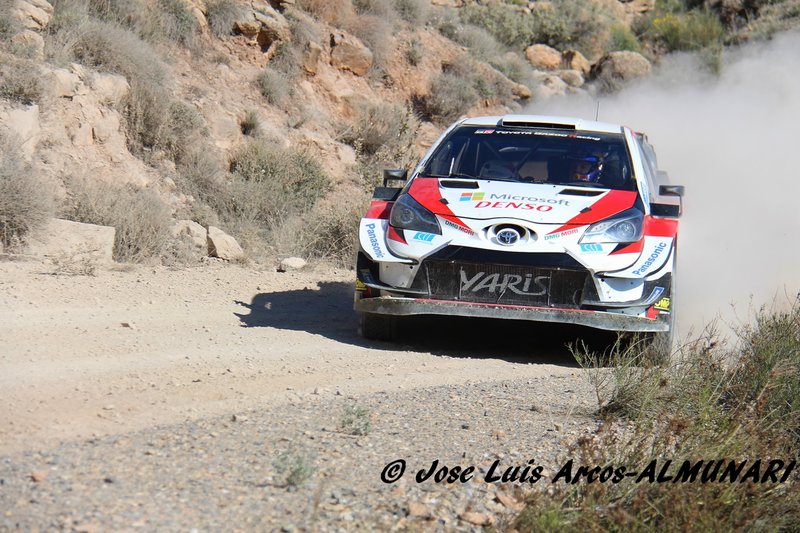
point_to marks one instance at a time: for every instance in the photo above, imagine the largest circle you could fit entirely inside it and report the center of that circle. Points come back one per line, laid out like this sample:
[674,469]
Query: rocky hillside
[271,120]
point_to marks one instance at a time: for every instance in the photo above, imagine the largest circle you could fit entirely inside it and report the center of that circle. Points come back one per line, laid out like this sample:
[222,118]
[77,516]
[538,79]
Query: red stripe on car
[660,227]
[612,203]
[378,209]
[395,235]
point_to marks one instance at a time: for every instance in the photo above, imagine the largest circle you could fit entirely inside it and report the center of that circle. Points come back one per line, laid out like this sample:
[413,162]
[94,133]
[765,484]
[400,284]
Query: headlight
[625,227]
[409,214]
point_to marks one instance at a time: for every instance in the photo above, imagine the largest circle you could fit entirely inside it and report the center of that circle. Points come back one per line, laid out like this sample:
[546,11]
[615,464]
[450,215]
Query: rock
[222,245]
[37,476]
[74,240]
[110,88]
[105,128]
[23,123]
[521,91]
[349,53]
[419,510]
[192,230]
[574,60]
[33,14]
[311,57]
[498,434]
[543,57]
[291,263]
[573,78]
[266,25]
[30,40]
[61,83]
[509,502]
[615,69]
[477,519]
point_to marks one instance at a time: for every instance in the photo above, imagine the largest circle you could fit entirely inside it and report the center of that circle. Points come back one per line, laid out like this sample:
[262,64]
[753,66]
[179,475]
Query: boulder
[615,69]
[543,57]
[521,91]
[291,263]
[110,89]
[311,57]
[191,230]
[23,123]
[60,239]
[266,25]
[349,53]
[573,78]
[33,14]
[61,83]
[30,40]
[222,245]
[574,60]
[549,85]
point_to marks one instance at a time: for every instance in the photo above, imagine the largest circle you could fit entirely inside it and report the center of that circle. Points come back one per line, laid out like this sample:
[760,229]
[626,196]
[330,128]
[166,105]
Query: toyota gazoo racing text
[524,217]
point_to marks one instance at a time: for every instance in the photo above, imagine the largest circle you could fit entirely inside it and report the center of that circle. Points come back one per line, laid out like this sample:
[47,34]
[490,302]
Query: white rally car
[524,217]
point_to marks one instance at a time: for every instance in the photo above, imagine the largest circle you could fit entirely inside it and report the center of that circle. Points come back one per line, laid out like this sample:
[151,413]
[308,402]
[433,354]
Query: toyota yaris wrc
[538,218]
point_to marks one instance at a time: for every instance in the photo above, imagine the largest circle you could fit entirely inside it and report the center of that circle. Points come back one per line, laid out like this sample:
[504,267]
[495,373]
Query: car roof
[547,121]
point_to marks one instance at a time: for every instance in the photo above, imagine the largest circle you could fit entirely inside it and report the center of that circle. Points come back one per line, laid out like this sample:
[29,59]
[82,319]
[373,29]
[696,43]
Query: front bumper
[393,305]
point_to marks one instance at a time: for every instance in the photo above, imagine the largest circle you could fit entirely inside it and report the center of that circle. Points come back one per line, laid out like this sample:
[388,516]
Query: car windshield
[533,156]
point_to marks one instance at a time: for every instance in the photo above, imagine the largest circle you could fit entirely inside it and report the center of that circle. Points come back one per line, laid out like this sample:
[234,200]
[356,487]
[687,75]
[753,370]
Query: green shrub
[25,201]
[355,420]
[691,31]
[412,11]
[275,182]
[415,53]
[294,466]
[508,24]
[623,38]
[141,219]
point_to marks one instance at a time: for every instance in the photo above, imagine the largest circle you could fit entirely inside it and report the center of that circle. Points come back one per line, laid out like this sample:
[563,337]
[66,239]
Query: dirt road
[119,392]
[87,356]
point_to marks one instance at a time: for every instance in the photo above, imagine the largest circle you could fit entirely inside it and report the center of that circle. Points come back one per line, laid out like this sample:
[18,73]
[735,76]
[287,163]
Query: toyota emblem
[507,236]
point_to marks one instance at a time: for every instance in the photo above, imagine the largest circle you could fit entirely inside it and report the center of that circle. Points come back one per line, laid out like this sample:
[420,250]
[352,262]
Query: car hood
[534,202]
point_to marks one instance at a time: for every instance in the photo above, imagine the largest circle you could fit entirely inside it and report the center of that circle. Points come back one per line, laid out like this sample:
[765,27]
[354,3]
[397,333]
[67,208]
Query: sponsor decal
[507,236]
[662,304]
[373,241]
[592,248]
[561,234]
[471,196]
[652,259]
[525,206]
[559,201]
[453,225]
[423,237]
[360,287]
[483,132]
[496,283]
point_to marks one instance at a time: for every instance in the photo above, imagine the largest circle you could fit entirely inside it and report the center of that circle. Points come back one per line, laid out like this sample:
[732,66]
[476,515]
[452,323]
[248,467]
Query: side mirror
[671,190]
[395,177]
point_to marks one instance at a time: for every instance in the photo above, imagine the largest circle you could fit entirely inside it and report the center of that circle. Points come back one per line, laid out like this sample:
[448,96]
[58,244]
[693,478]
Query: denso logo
[559,201]
[513,205]
[652,259]
[373,241]
[528,285]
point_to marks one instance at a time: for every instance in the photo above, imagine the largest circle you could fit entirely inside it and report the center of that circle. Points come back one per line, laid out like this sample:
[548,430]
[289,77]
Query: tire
[378,327]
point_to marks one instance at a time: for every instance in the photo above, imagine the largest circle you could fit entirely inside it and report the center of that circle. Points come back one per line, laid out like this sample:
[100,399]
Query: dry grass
[25,201]
[20,80]
[141,219]
[710,404]
[222,14]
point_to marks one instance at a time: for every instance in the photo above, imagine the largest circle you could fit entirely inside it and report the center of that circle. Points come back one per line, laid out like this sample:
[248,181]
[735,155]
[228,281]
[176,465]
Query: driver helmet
[585,167]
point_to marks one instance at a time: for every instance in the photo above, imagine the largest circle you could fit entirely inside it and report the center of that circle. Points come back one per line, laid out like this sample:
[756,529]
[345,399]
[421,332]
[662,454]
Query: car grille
[503,284]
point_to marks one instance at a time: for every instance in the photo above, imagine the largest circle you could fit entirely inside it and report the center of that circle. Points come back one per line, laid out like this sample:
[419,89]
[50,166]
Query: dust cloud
[734,142]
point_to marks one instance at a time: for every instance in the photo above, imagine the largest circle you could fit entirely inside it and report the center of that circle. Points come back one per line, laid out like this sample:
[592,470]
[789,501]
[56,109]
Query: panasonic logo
[652,259]
[373,241]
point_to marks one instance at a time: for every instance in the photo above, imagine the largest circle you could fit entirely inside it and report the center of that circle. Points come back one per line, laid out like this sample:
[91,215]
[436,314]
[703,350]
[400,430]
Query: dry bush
[378,125]
[453,92]
[141,219]
[375,32]
[329,232]
[8,25]
[709,404]
[273,85]
[413,11]
[20,80]
[25,201]
[154,21]
[222,14]
[250,123]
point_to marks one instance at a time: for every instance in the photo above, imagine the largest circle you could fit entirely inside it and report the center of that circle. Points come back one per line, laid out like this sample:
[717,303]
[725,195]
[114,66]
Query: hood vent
[454,184]
[581,192]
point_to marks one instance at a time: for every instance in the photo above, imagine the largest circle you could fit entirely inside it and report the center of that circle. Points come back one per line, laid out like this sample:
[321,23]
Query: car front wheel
[378,327]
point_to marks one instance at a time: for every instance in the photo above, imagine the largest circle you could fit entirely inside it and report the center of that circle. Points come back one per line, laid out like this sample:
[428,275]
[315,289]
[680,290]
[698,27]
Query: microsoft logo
[471,196]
